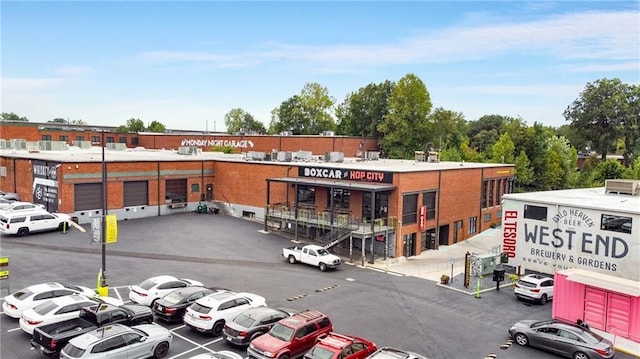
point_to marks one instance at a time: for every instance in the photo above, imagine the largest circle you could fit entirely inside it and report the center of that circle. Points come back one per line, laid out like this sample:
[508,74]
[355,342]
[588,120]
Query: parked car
[58,309]
[565,339]
[210,313]
[336,346]
[15,304]
[149,290]
[534,287]
[223,354]
[252,323]
[291,337]
[10,195]
[313,255]
[118,341]
[5,203]
[21,223]
[394,353]
[17,206]
[172,306]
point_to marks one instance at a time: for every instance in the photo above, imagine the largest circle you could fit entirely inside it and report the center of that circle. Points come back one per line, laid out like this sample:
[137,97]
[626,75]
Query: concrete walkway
[432,264]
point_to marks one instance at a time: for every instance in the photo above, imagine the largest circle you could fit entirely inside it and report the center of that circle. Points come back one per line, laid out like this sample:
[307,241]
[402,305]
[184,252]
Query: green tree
[598,113]
[405,128]
[156,126]
[135,125]
[524,172]
[630,124]
[362,111]
[10,116]
[238,120]
[559,164]
[608,169]
[122,129]
[451,154]
[447,128]
[503,150]
[78,122]
[309,113]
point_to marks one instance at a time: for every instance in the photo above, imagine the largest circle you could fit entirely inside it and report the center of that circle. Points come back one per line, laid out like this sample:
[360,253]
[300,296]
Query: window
[483,195]
[110,139]
[95,139]
[382,205]
[122,139]
[134,141]
[341,198]
[46,137]
[306,195]
[486,217]
[195,187]
[535,212]
[492,184]
[79,138]
[176,190]
[473,223]
[610,222]
[429,200]
[410,208]
[64,138]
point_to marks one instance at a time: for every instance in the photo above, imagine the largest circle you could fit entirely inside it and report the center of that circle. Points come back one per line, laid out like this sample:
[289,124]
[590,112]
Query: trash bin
[202,208]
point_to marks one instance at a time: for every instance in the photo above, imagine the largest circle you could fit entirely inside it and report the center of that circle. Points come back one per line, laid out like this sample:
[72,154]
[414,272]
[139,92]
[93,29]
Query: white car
[5,203]
[15,304]
[59,309]
[222,354]
[22,223]
[534,287]
[17,206]
[209,313]
[148,291]
[118,341]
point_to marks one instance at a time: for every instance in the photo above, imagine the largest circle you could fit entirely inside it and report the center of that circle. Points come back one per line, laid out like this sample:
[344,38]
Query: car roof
[337,341]
[535,278]
[69,299]
[216,298]
[41,287]
[85,340]
[394,353]
[260,312]
[162,278]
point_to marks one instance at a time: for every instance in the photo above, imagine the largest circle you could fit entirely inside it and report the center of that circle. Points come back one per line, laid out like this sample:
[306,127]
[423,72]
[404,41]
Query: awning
[351,185]
[603,281]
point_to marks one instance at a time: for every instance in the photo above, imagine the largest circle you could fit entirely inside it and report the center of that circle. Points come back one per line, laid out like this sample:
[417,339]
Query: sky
[188,63]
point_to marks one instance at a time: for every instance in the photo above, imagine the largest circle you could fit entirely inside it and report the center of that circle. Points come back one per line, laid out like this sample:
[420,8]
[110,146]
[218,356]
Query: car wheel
[217,328]
[292,259]
[323,267]
[161,350]
[283,356]
[521,339]
[580,355]
[22,232]
[543,299]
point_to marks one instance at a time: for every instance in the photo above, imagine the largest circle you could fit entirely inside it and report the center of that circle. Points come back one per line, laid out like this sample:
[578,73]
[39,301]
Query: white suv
[22,223]
[209,313]
[534,287]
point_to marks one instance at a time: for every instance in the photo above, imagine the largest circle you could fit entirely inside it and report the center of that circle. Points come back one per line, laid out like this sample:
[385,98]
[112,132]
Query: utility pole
[103,270]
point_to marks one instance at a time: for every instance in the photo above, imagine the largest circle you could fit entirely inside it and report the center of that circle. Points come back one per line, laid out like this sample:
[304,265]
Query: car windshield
[539,324]
[147,284]
[174,297]
[45,307]
[73,287]
[73,351]
[244,320]
[281,332]
[590,337]
[319,353]
[524,283]
[323,252]
[20,295]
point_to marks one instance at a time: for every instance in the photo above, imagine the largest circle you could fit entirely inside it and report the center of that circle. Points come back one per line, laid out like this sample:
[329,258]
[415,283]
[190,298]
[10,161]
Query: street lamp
[103,271]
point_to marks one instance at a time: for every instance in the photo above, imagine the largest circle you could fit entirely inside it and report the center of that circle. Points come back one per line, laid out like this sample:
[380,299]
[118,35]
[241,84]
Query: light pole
[103,273]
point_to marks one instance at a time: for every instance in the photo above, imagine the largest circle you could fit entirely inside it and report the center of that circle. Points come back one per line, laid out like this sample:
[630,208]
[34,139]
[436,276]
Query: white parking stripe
[13,330]
[198,346]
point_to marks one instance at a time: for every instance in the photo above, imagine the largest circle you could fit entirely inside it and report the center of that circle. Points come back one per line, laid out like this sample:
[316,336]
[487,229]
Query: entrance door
[444,235]
[209,192]
[409,245]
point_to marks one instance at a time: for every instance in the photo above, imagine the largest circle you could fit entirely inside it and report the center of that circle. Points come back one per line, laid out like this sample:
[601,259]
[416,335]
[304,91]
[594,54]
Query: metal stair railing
[337,234]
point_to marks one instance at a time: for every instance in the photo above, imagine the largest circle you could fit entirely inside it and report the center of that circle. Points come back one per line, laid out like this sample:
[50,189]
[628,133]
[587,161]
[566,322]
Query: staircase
[335,236]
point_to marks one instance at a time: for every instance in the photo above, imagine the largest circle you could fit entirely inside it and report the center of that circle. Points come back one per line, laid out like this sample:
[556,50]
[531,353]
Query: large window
[473,225]
[341,199]
[429,200]
[610,222]
[410,208]
[492,184]
[64,138]
[306,196]
[483,195]
[382,205]
[176,190]
[535,212]
[79,138]
[46,137]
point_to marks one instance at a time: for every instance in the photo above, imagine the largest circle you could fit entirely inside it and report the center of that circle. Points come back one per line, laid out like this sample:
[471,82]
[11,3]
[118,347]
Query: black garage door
[136,193]
[87,196]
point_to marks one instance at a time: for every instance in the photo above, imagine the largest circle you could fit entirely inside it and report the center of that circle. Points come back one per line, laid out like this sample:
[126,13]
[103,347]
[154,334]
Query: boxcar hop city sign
[346,174]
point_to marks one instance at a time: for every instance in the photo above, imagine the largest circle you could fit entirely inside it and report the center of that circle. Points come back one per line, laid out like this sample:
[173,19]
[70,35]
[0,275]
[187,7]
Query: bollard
[64,227]
[478,288]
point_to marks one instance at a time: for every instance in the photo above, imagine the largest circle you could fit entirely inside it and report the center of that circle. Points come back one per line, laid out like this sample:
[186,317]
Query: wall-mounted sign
[45,184]
[346,174]
[112,228]
[194,142]
[423,218]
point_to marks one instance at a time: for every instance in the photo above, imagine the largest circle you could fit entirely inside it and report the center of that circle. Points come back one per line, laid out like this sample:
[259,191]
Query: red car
[336,346]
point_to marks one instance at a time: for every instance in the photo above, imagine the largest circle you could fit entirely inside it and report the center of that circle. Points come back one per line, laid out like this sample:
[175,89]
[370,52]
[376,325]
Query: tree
[503,150]
[524,172]
[559,164]
[309,113]
[598,114]
[630,123]
[405,128]
[362,111]
[238,120]
[135,125]
[78,122]
[10,116]
[156,126]
[447,128]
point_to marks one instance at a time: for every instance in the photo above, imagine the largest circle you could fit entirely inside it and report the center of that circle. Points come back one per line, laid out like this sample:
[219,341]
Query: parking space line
[197,346]
[13,330]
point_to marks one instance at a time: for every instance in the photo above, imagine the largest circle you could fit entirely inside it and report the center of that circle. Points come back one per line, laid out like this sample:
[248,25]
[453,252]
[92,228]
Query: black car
[252,323]
[172,306]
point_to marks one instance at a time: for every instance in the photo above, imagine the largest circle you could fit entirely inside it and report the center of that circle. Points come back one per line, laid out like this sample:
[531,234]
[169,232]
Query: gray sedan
[562,338]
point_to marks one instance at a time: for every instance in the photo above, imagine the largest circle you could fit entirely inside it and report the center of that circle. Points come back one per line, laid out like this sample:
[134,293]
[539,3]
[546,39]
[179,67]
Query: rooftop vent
[373,155]
[334,156]
[622,186]
[116,146]
[303,156]
[256,156]
[188,150]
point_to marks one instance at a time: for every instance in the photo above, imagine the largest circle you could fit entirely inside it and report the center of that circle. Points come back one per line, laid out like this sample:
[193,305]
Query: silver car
[118,341]
[562,338]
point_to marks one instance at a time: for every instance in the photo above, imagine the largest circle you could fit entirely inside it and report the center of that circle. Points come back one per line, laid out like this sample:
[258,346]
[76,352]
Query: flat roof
[94,154]
[355,185]
[589,198]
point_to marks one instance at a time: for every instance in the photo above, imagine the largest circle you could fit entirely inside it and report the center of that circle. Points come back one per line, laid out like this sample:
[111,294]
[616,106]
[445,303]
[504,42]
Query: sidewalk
[431,264]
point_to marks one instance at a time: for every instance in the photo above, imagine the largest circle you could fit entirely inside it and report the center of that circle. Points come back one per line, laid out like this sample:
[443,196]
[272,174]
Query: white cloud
[29,84]
[622,66]
[72,70]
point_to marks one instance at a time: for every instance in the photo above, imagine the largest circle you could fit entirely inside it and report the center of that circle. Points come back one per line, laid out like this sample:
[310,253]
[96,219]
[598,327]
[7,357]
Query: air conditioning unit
[82,144]
[303,156]
[328,133]
[255,156]
[621,186]
[334,157]
[187,150]
[116,146]
[284,156]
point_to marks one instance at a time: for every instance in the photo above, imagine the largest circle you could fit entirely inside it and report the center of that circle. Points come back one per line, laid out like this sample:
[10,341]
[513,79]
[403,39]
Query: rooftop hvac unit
[52,146]
[4,144]
[187,150]
[303,156]
[419,156]
[433,157]
[334,157]
[373,155]
[116,146]
[621,186]
[82,144]
[286,133]
[284,156]
[18,144]
[328,133]
[255,156]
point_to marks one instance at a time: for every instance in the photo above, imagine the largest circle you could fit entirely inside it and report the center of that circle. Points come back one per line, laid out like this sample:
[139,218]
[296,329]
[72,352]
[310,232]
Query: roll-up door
[87,196]
[595,304]
[618,314]
[136,193]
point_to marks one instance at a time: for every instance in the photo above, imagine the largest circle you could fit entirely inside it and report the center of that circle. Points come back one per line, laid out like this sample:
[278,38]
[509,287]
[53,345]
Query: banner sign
[45,184]
[346,174]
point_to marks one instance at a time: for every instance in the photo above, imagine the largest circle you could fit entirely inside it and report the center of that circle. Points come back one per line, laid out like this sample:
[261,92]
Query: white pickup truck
[313,255]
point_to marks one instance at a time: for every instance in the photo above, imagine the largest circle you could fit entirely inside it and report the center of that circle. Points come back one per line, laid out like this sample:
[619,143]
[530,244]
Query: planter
[444,279]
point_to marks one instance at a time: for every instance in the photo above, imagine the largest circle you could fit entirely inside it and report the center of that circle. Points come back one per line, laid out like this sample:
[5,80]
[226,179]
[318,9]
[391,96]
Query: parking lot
[400,311]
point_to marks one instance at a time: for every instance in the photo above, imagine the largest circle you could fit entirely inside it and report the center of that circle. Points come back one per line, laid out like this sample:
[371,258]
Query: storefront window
[409,208]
